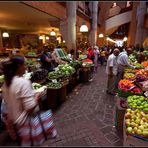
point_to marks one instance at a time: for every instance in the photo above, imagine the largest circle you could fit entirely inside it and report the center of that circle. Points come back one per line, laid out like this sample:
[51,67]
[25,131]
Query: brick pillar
[71,28]
[141,31]
[93,33]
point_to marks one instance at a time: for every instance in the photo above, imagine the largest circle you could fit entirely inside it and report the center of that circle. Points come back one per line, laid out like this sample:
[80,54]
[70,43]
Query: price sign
[54,81]
[146,93]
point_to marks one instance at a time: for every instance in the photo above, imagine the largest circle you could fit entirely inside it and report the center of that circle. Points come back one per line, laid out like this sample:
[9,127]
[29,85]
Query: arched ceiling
[16,16]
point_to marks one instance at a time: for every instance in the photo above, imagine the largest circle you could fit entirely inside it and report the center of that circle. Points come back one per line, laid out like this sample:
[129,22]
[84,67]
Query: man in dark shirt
[46,59]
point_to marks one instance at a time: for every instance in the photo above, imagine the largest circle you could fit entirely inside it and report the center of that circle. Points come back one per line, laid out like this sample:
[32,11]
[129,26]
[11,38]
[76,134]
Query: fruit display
[52,85]
[1,78]
[39,75]
[136,122]
[132,58]
[87,61]
[141,78]
[138,66]
[129,70]
[128,86]
[145,63]
[129,76]
[142,72]
[138,102]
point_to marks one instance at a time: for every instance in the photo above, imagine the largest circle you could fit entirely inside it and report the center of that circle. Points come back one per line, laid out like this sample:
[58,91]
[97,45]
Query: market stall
[132,104]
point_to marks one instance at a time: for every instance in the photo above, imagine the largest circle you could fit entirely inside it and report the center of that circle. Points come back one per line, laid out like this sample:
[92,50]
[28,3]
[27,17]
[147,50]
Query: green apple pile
[136,122]
[138,102]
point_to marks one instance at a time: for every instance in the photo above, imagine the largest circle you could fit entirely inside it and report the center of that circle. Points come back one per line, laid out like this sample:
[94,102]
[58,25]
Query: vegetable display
[52,85]
[132,58]
[138,66]
[138,102]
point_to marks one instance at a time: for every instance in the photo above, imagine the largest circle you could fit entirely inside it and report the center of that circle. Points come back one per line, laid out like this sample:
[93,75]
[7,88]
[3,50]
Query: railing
[84,8]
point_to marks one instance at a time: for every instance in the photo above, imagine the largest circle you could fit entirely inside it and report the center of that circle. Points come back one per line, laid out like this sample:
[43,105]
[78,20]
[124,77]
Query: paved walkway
[87,117]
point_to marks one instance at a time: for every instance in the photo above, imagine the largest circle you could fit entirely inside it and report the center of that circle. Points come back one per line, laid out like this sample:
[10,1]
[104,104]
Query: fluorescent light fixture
[5,34]
[101,35]
[83,28]
[52,33]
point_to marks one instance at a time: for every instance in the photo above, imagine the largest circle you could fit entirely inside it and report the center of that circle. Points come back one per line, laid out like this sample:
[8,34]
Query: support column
[140,32]
[93,32]
[1,41]
[71,22]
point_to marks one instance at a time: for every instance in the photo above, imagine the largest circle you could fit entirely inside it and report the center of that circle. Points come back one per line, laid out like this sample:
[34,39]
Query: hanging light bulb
[125,39]
[5,34]
[52,33]
[83,28]
[40,37]
[63,41]
[101,35]
[47,37]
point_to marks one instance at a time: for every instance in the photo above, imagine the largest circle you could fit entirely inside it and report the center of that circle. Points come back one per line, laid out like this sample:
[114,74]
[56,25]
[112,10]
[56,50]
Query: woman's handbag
[37,129]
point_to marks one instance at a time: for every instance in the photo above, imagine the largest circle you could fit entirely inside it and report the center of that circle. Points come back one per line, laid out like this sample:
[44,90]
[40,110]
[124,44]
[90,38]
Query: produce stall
[132,104]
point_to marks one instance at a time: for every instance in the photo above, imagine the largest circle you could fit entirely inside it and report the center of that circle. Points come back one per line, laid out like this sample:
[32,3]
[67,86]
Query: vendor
[46,59]
[122,63]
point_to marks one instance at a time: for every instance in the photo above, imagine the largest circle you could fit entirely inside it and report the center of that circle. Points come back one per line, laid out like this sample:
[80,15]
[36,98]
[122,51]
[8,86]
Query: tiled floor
[87,116]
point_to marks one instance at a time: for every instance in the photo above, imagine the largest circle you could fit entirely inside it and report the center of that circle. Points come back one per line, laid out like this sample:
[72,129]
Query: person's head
[116,51]
[129,50]
[45,48]
[14,66]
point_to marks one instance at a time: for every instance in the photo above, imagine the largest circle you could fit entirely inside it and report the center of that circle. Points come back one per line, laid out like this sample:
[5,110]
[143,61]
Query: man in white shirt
[123,62]
[111,70]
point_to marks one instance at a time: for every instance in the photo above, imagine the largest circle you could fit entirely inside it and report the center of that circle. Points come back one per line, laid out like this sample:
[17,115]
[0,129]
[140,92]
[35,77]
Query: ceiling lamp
[52,33]
[83,28]
[125,39]
[114,5]
[101,35]
[5,34]
[47,37]
[63,41]
[40,37]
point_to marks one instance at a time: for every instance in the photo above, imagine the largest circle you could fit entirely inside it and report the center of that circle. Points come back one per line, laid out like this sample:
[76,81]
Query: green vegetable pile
[36,86]
[138,102]
[75,63]
[138,66]
[52,85]
[132,58]
[1,78]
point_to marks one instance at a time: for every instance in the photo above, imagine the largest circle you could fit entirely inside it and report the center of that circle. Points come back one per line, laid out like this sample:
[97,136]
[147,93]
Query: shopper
[102,57]
[123,62]
[91,55]
[21,102]
[46,59]
[111,70]
[96,56]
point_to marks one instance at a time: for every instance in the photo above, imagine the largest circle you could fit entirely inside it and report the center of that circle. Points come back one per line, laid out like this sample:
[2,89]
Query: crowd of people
[20,101]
